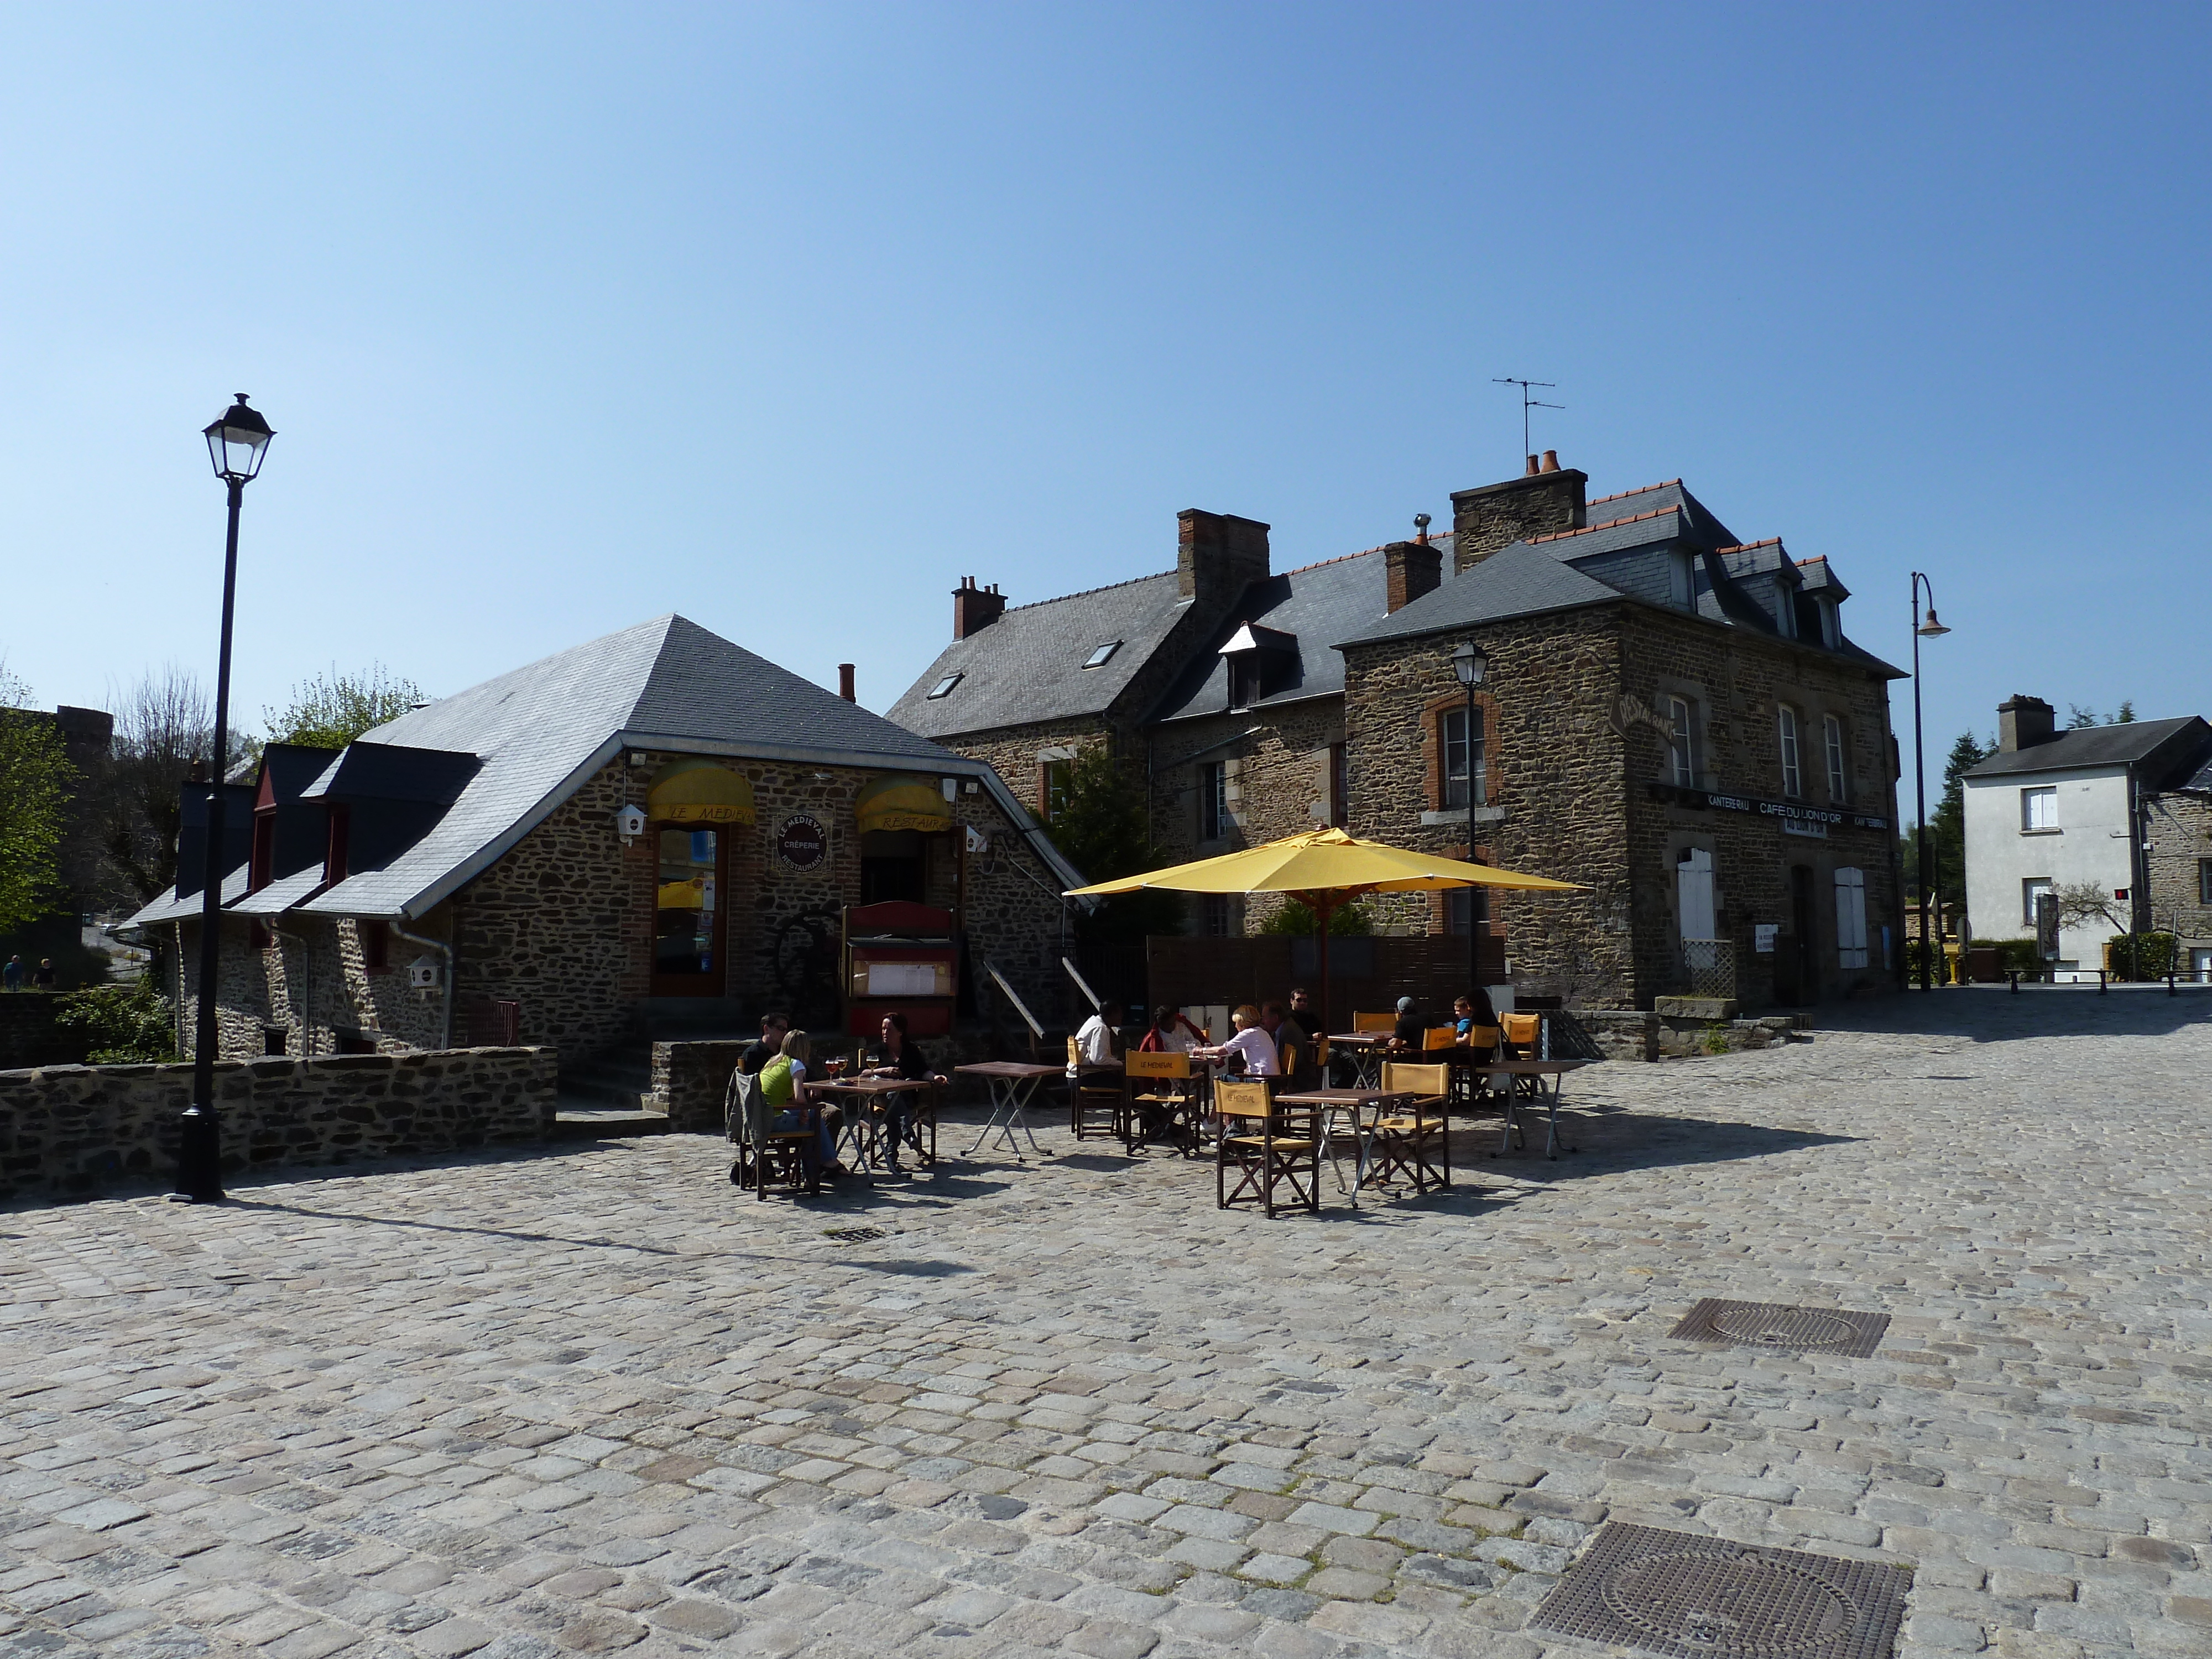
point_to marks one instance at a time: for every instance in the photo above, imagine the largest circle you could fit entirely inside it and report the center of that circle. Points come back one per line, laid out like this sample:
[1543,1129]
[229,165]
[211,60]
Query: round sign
[801,842]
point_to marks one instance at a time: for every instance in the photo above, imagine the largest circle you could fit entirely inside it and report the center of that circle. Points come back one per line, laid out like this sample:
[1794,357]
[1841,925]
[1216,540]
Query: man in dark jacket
[757,1054]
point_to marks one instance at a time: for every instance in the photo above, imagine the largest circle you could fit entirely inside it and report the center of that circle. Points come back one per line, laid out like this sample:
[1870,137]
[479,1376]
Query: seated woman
[898,1057]
[1252,1051]
[1169,1033]
[783,1091]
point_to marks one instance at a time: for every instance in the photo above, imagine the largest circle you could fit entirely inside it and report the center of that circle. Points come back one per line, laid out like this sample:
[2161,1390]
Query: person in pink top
[1252,1045]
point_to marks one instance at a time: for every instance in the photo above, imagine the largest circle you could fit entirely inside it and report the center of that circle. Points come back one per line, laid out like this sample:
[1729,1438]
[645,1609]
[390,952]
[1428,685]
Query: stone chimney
[1548,497]
[1412,568]
[1218,553]
[974,609]
[2023,722]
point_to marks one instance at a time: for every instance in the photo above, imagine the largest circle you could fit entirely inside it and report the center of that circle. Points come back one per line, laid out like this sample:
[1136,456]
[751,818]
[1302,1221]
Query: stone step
[577,1121]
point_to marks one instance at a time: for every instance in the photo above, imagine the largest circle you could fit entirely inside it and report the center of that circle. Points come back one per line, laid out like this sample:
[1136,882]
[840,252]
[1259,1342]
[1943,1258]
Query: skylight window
[1099,657]
[943,687]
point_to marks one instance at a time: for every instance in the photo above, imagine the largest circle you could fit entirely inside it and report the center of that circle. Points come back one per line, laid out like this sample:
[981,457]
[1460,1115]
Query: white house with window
[2053,809]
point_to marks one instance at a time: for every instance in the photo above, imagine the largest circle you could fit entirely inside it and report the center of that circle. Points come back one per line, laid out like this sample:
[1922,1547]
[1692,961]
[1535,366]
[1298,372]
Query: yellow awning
[900,800]
[1324,862]
[699,792]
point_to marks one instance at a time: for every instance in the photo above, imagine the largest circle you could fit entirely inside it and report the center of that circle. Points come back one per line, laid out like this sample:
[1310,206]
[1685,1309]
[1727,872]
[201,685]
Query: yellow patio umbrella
[1323,869]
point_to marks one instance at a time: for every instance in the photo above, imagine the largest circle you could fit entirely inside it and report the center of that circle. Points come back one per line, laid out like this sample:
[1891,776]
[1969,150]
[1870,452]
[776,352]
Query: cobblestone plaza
[594,1398]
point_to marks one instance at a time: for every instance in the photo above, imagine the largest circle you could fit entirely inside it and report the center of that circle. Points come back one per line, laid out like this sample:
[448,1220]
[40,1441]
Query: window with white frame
[2030,891]
[1850,918]
[1793,775]
[1213,800]
[1462,763]
[1839,779]
[2039,810]
[1681,759]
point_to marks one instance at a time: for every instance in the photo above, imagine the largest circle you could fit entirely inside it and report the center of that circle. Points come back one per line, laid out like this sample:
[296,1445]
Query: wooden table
[1013,1082]
[1365,1049]
[1331,1102]
[865,1090]
[1506,1071]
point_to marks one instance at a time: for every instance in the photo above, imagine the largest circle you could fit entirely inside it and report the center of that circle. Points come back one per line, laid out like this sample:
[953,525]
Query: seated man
[1288,1033]
[1411,1028]
[1251,1051]
[766,1046]
[1169,1033]
[1094,1040]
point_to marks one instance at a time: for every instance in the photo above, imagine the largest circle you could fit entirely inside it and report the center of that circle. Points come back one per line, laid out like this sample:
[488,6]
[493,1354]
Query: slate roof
[1312,606]
[1520,580]
[487,764]
[1028,665]
[2132,744]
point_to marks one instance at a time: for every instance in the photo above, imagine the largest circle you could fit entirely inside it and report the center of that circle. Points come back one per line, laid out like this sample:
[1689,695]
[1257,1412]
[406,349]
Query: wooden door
[691,910]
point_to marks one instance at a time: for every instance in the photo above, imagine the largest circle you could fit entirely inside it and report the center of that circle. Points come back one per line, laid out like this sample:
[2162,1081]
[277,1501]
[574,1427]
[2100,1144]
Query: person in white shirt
[1095,1040]
[1252,1043]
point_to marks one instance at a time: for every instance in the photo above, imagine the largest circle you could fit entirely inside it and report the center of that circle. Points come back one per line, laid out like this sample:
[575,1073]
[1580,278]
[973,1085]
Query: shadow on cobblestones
[1991,1013]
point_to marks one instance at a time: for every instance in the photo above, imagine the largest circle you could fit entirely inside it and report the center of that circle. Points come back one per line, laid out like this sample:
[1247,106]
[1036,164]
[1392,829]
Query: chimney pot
[845,682]
[1534,468]
[1551,460]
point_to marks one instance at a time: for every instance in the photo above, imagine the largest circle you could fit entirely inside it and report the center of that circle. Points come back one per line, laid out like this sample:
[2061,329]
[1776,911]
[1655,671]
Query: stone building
[472,863]
[1671,716]
[2177,864]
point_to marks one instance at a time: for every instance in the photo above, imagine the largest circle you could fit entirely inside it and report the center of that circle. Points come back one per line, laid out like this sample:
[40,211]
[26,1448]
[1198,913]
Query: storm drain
[1690,1597]
[1770,1325]
[857,1235]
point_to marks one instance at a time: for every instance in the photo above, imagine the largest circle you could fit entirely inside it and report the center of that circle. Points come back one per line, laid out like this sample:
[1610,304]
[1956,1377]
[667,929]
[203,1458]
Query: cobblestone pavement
[595,1398]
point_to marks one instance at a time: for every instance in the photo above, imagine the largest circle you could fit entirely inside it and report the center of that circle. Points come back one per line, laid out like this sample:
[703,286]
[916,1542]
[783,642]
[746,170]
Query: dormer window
[1831,626]
[1102,655]
[943,687]
[1680,580]
[1244,679]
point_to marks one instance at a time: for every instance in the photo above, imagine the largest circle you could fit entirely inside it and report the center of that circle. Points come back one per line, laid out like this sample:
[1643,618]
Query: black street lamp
[1467,665]
[1930,630]
[236,439]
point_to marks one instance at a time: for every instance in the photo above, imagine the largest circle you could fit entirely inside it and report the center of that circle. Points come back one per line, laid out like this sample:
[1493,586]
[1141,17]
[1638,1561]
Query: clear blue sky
[785,318]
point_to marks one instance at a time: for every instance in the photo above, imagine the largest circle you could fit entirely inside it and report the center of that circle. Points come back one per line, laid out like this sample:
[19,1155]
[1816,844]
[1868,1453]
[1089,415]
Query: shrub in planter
[2139,955]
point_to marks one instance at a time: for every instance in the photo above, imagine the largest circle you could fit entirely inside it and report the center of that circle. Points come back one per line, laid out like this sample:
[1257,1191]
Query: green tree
[1345,921]
[35,776]
[329,712]
[1946,825]
[127,1025]
[1100,822]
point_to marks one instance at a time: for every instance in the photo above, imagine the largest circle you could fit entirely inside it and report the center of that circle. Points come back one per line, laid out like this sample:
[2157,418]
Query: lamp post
[236,439]
[1928,629]
[1467,665]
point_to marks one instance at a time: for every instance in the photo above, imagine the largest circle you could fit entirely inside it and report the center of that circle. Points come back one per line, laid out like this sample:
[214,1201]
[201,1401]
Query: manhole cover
[1770,1325]
[857,1235]
[1705,1598]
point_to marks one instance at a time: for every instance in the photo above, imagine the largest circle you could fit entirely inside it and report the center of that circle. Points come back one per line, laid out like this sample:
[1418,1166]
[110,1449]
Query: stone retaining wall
[1628,1034]
[28,1035]
[68,1129]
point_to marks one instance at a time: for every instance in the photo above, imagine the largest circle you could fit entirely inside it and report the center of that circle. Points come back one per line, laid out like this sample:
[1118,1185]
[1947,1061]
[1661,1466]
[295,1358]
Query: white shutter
[1693,893]
[1850,918]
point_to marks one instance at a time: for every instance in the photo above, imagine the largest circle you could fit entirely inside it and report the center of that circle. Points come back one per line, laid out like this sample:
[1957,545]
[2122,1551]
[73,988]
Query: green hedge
[2140,956]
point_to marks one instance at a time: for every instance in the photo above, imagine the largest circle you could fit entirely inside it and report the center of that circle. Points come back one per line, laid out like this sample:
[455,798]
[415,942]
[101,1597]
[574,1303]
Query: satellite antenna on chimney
[1528,403]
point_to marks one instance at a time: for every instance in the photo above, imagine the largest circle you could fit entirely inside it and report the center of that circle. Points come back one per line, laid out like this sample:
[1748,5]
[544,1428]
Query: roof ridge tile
[1640,490]
[1085,593]
[1747,547]
[1633,518]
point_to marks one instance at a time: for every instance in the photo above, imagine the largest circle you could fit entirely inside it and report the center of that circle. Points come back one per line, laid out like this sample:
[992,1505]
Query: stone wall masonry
[1633,1034]
[28,1035]
[311,980]
[2180,834]
[1734,683]
[1557,806]
[71,1129]
[1278,783]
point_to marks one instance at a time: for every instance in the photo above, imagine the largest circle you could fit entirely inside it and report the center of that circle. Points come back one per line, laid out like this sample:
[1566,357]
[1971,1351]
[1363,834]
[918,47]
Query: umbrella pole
[1321,909]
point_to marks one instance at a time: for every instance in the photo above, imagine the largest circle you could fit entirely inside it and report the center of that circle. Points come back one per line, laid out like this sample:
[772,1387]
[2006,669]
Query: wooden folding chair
[766,1155]
[1267,1143]
[1161,1101]
[1411,1140]
[1363,1025]
[1095,1094]
[1439,1036]
[1471,1084]
[1522,1034]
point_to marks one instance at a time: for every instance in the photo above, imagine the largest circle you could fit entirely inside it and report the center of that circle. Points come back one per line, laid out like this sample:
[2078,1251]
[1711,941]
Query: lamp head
[1931,629]
[1469,663]
[236,439]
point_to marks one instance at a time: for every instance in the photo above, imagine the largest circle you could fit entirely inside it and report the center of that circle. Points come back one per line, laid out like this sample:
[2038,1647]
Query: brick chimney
[1218,553]
[2023,722]
[845,682]
[1412,568]
[1548,497]
[974,609]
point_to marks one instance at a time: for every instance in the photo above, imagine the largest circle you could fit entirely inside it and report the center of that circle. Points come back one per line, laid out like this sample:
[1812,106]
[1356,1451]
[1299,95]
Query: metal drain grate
[1770,1325]
[1689,1597]
[857,1235]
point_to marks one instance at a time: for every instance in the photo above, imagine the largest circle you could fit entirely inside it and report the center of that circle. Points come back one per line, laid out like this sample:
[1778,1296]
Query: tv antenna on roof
[1528,403]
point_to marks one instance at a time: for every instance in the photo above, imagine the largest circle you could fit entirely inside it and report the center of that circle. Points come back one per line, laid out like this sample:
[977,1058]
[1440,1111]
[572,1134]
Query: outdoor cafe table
[1361,1106]
[1011,1082]
[865,1090]
[1505,1072]
[1364,1050]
